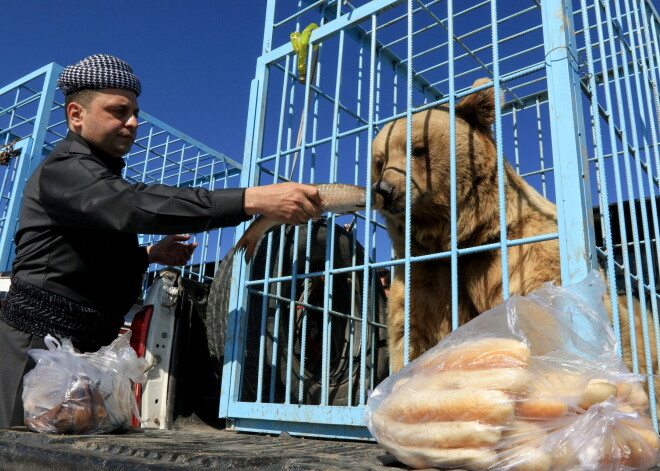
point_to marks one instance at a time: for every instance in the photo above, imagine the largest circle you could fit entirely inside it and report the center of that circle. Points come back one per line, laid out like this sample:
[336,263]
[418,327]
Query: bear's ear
[478,109]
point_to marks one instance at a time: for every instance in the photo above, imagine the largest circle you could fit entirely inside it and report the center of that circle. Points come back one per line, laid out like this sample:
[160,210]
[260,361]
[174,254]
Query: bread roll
[466,458]
[465,405]
[540,406]
[632,394]
[626,408]
[397,382]
[563,457]
[631,450]
[555,382]
[522,447]
[523,431]
[633,445]
[436,434]
[502,379]
[526,458]
[596,391]
[553,392]
[644,428]
[558,392]
[480,354]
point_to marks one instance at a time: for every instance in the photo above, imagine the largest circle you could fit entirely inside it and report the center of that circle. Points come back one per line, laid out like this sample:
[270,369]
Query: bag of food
[534,384]
[82,393]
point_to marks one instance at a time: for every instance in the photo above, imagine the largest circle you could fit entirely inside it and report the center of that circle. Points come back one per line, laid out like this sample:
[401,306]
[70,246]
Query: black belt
[38,312]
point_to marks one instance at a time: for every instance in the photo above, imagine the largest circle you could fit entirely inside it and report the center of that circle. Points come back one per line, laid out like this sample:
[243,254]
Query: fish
[335,198]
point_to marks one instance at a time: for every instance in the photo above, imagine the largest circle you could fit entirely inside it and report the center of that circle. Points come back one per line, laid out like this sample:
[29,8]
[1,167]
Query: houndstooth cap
[98,71]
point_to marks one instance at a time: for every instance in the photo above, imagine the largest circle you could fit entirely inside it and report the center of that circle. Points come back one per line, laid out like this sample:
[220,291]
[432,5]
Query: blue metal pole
[42,118]
[14,204]
[30,155]
[575,221]
[235,335]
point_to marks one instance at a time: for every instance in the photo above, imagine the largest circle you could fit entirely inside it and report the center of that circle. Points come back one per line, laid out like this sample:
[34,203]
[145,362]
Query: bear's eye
[378,165]
[419,151]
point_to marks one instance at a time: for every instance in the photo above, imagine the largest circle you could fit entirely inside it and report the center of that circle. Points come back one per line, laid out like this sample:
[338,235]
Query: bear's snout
[386,190]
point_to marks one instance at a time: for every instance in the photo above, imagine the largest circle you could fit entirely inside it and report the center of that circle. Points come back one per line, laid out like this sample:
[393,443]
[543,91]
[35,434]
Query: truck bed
[201,448]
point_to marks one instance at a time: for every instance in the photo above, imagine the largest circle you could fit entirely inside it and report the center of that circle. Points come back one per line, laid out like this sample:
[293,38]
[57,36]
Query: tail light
[139,331]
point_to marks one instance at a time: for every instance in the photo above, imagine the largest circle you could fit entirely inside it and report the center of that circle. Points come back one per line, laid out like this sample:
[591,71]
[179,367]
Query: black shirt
[79,222]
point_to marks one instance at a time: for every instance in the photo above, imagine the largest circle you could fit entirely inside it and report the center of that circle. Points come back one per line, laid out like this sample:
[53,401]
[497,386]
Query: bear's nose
[387,190]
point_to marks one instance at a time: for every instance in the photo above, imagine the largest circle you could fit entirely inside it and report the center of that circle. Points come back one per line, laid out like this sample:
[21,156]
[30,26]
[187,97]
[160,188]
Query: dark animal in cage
[269,326]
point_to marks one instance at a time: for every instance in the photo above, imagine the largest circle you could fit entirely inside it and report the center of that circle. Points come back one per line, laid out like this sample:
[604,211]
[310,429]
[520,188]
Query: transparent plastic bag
[534,384]
[82,393]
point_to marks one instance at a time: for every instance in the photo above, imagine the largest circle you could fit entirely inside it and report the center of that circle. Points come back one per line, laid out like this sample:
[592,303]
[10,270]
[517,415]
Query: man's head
[384,275]
[101,102]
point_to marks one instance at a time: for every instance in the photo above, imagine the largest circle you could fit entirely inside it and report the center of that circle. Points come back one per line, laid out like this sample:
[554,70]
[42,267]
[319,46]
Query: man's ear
[75,112]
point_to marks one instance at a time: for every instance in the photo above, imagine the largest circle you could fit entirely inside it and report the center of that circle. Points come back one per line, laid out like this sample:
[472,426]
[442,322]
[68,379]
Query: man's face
[108,122]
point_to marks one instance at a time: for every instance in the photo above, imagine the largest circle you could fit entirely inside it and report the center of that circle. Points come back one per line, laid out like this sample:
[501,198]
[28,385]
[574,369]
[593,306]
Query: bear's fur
[477,205]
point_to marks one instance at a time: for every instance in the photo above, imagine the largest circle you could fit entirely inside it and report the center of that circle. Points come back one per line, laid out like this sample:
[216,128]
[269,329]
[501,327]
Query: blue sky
[195,59]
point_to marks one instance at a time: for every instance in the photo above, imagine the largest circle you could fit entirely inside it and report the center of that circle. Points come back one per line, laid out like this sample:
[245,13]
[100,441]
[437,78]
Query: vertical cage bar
[452,167]
[500,153]
[539,128]
[408,213]
[373,87]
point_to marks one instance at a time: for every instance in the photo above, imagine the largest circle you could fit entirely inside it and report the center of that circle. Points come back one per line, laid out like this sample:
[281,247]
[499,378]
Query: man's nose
[132,122]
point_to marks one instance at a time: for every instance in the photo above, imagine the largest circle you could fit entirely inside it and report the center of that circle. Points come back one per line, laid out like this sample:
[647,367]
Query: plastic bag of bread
[534,384]
[82,393]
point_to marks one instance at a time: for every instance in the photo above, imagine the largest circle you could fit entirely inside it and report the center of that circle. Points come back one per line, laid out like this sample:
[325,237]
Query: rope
[304,113]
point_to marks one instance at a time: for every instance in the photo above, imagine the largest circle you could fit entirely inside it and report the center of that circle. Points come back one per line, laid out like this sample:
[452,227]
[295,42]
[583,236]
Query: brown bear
[479,274]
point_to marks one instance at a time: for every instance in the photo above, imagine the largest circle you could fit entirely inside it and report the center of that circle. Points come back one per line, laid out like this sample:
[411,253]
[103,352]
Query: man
[78,267]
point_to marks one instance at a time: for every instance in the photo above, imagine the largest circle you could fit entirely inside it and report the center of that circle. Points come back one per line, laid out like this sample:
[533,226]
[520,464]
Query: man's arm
[79,192]
[289,203]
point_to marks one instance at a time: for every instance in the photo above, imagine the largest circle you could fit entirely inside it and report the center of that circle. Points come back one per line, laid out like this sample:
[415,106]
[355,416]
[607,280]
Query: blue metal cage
[32,117]
[576,116]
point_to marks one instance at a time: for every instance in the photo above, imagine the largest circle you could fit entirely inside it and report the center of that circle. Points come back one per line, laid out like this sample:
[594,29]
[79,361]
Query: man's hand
[170,251]
[288,203]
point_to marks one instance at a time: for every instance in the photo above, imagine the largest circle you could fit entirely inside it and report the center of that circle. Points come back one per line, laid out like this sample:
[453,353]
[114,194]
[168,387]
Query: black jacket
[79,222]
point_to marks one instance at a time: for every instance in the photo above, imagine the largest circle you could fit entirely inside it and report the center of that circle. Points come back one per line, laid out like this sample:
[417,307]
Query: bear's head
[430,180]
[475,150]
